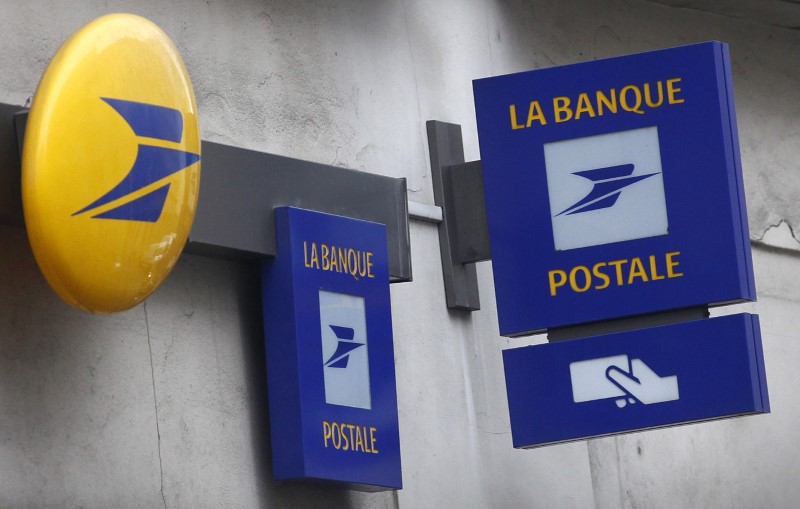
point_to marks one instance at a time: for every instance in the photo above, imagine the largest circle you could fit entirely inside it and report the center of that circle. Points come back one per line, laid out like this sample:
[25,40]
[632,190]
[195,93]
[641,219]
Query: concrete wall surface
[165,405]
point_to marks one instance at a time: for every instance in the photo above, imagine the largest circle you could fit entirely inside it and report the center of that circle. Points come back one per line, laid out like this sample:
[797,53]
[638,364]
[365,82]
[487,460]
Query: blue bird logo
[344,348]
[152,163]
[608,185]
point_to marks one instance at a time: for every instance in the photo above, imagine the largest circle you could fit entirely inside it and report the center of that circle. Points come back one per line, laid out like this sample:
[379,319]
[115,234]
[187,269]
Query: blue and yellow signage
[614,188]
[111,171]
[330,356]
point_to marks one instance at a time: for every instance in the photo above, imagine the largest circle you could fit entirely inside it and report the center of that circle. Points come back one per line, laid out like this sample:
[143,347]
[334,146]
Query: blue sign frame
[330,355]
[636,380]
[684,243]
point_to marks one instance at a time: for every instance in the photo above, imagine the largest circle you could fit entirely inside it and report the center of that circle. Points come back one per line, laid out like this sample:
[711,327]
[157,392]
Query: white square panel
[606,188]
[345,362]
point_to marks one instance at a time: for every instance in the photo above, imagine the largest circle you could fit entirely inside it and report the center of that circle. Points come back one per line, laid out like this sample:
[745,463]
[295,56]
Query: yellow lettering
[649,100]
[314,255]
[336,436]
[352,260]
[369,264]
[587,276]
[345,443]
[359,440]
[672,90]
[671,264]
[362,263]
[561,106]
[535,113]
[602,100]
[584,106]
[617,264]
[350,433]
[326,432]
[343,260]
[372,439]
[654,275]
[632,98]
[637,95]
[326,263]
[637,270]
[344,436]
[512,110]
[334,260]
[551,275]
[602,275]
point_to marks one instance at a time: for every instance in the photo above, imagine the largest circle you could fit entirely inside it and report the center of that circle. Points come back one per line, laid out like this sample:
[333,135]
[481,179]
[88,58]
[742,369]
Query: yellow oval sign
[110,167]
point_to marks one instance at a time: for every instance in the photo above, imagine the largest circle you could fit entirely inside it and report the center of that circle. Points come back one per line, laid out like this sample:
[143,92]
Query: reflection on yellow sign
[110,171]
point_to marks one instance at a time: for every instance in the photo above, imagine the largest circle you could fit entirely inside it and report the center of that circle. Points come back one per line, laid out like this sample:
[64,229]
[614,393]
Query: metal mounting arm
[463,232]
[239,192]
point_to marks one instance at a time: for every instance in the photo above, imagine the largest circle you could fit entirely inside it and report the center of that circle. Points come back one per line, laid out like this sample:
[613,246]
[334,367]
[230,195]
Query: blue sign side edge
[745,257]
[759,364]
[284,388]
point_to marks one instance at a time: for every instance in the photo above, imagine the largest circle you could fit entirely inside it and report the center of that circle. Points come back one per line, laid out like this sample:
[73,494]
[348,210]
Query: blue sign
[614,188]
[330,357]
[636,380]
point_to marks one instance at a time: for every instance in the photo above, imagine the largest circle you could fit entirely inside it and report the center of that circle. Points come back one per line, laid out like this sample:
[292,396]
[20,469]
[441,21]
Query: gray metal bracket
[627,323]
[10,189]
[239,192]
[241,188]
[463,232]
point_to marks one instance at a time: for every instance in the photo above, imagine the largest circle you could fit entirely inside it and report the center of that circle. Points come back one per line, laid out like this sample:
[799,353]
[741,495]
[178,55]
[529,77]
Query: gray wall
[165,405]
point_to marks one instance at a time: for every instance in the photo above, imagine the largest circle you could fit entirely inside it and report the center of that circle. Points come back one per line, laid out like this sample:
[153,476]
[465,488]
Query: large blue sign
[330,358]
[636,380]
[614,188]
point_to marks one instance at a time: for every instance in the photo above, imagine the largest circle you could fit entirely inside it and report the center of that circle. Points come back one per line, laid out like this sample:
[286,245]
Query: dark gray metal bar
[460,279]
[240,189]
[10,188]
[468,204]
[623,324]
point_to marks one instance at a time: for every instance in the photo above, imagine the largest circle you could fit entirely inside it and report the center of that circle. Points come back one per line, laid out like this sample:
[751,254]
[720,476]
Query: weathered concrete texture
[455,435]
[77,419]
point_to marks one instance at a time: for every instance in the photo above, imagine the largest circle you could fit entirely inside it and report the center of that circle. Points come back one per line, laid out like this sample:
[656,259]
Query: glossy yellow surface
[77,148]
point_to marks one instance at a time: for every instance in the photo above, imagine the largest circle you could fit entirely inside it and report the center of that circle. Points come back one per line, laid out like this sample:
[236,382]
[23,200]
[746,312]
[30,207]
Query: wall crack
[779,235]
[155,404]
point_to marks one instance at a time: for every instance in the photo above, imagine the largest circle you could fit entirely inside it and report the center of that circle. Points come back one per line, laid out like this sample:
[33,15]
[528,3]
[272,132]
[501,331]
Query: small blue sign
[636,380]
[614,188]
[330,356]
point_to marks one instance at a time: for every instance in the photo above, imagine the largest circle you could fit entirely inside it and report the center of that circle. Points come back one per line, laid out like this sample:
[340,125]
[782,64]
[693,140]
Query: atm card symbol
[626,381]
[344,348]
